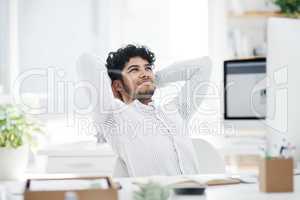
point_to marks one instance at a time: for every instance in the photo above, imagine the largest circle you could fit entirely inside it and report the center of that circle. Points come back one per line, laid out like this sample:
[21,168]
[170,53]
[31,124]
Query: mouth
[146,82]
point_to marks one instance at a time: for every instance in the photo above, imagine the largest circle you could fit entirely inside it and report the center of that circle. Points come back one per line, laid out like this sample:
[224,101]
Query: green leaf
[152,191]
[15,127]
[289,7]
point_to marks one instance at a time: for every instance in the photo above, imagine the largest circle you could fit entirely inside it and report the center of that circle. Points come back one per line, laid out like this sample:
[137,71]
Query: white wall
[53,33]
[8,43]
[3,40]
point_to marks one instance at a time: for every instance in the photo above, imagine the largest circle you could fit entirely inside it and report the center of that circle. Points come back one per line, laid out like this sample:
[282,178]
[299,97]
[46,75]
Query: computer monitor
[283,74]
[245,89]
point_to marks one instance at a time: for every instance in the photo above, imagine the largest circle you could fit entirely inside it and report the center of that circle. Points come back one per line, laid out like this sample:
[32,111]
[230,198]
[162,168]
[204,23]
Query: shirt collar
[151,107]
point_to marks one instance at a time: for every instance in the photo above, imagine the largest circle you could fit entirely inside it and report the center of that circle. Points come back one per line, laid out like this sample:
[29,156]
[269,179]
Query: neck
[128,99]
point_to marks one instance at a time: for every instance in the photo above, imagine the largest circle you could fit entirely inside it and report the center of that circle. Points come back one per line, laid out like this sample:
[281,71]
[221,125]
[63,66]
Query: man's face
[138,78]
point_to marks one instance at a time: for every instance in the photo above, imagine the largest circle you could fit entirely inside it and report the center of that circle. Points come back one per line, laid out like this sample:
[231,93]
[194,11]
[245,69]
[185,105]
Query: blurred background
[41,40]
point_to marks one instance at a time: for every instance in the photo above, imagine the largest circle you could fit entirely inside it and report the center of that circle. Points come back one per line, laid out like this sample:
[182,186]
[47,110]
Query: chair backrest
[209,159]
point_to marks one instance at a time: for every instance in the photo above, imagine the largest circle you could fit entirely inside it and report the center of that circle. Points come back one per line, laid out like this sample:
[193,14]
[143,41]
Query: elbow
[205,67]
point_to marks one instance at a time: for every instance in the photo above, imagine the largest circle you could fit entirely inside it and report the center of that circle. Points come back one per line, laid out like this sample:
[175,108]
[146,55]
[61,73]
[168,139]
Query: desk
[229,192]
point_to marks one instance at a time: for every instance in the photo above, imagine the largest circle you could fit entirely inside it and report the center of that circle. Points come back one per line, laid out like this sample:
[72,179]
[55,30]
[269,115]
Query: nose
[144,73]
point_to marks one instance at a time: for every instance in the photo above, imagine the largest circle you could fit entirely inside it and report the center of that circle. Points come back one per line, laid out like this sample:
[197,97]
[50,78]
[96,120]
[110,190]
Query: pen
[282,148]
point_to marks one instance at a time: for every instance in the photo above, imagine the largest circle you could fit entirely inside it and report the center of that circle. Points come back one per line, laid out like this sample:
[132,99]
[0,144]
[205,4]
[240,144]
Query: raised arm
[196,74]
[93,76]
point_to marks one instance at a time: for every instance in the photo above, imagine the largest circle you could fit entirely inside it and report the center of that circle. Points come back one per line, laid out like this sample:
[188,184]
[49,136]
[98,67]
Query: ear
[117,89]
[117,85]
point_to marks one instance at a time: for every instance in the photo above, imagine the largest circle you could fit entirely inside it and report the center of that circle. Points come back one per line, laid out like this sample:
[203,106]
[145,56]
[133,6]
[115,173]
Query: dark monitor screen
[245,89]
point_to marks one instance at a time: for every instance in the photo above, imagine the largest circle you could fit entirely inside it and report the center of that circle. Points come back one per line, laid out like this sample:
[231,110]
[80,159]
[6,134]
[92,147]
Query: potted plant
[290,8]
[16,136]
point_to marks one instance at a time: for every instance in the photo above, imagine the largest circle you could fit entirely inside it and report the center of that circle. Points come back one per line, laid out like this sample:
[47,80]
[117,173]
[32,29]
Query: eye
[149,68]
[133,70]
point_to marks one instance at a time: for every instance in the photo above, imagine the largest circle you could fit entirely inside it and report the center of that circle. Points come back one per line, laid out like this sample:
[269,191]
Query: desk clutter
[92,188]
[276,167]
[104,188]
[156,188]
[276,175]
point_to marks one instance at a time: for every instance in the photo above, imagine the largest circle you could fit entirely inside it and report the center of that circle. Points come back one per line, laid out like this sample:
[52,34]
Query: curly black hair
[116,60]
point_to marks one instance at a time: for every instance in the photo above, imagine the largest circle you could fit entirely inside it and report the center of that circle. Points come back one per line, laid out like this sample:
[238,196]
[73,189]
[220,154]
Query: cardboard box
[276,175]
[111,193]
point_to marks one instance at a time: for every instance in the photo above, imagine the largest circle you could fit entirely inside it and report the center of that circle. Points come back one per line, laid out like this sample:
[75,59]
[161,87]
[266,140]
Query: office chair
[209,159]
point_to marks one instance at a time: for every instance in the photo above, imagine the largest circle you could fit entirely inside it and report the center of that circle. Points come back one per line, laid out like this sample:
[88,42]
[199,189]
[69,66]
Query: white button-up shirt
[152,139]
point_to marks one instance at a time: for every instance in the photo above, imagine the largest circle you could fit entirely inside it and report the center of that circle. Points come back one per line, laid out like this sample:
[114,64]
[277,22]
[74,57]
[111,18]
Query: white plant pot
[13,162]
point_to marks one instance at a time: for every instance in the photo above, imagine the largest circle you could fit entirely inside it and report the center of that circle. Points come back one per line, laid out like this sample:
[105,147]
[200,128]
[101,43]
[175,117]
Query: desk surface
[230,192]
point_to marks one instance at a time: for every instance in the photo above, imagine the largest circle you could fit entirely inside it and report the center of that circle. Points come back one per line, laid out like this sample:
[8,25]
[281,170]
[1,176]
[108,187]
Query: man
[149,139]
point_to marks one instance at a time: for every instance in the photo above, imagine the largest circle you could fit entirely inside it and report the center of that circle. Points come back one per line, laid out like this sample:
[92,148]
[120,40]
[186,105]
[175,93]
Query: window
[53,33]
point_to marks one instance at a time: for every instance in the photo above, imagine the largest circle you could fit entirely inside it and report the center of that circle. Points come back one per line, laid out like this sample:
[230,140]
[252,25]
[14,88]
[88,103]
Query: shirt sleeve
[196,74]
[97,84]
